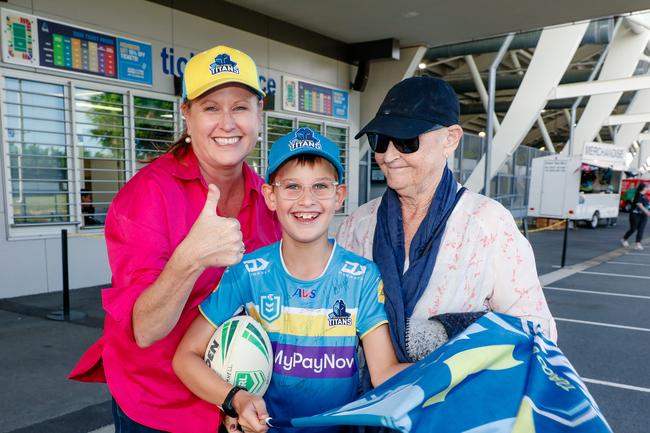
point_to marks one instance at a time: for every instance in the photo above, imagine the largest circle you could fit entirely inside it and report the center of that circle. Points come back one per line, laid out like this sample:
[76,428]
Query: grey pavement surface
[37,355]
[606,335]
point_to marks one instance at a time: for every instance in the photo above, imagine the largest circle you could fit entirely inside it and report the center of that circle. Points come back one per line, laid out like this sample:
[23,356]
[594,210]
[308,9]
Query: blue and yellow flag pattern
[500,375]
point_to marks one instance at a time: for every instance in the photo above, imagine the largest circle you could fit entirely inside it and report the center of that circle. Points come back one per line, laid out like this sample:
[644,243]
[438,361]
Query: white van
[580,188]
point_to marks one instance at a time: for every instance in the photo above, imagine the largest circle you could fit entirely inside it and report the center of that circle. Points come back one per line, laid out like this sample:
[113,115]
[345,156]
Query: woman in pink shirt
[170,232]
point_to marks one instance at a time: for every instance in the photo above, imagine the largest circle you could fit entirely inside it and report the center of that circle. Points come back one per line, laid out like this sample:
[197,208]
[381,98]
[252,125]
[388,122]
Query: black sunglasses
[379,142]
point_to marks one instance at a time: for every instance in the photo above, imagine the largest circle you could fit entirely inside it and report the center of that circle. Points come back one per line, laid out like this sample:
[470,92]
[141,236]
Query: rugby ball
[240,352]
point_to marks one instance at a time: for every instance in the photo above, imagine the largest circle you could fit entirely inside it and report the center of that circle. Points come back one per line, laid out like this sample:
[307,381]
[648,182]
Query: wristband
[227,407]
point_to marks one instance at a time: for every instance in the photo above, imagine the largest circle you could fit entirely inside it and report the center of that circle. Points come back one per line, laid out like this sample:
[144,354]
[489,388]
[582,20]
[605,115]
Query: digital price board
[70,48]
[307,97]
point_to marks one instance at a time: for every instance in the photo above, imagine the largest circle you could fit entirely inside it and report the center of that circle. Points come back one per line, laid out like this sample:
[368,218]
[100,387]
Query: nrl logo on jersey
[256,265]
[270,307]
[354,269]
[223,63]
[304,138]
[338,316]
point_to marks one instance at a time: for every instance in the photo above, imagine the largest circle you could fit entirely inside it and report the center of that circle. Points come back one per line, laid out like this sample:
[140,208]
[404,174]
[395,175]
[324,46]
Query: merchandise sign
[307,97]
[19,38]
[33,41]
[605,155]
[134,61]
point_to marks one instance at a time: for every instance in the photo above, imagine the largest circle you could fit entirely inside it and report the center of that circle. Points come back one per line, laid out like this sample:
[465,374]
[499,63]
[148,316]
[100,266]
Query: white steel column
[628,119]
[553,54]
[547,138]
[628,132]
[644,152]
[480,88]
[622,59]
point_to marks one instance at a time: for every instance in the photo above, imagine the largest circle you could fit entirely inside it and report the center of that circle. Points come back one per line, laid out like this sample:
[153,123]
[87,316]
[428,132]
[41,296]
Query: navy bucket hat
[414,106]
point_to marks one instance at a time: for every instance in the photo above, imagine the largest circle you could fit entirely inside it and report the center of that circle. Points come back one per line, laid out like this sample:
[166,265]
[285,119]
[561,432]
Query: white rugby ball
[240,352]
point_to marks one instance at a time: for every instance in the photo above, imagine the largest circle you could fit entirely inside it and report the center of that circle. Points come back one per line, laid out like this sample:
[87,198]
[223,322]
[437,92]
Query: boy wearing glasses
[314,298]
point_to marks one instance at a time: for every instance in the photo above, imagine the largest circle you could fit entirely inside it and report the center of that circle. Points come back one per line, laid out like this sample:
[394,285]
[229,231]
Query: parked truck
[579,188]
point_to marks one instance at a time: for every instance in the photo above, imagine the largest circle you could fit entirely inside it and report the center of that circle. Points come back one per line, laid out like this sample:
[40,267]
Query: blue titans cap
[303,141]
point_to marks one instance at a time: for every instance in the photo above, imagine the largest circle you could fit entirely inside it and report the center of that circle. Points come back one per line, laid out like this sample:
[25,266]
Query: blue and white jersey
[313,325]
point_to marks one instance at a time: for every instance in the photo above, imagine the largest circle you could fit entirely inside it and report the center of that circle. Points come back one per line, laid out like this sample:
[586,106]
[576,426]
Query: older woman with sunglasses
[446,254]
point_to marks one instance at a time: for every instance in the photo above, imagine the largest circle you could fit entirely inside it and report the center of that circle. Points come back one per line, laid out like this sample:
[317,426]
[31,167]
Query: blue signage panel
[340,104]
[134,61]
[75,49]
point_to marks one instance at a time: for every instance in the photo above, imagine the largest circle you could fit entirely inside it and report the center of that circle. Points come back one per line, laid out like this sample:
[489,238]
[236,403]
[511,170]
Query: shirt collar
[188,167]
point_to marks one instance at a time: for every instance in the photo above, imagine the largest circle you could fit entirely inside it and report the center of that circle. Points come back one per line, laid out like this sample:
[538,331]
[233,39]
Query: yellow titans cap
[217,66]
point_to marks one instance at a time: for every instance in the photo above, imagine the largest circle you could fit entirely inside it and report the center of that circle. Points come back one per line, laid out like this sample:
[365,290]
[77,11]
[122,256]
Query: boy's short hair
[309,159]
[303,141]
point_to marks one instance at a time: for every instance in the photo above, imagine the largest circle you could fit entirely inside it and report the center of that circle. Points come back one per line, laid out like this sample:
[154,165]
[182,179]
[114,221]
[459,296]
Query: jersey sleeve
[371,305]
[229,298]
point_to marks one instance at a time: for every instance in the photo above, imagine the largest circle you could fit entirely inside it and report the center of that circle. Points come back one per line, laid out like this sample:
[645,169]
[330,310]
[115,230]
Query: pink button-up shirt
[150,216]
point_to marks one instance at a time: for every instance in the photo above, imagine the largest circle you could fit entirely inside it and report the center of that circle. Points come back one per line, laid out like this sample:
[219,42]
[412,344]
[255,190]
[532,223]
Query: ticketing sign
[34,41]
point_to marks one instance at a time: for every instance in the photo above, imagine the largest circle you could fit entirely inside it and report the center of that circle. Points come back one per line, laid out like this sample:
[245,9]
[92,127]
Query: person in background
[170,233]
[638,217]
[441,249]
[88,209]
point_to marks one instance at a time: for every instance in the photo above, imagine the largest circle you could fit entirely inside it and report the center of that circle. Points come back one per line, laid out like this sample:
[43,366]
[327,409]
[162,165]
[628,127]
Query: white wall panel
[23,266]
[87,261]
[33,265]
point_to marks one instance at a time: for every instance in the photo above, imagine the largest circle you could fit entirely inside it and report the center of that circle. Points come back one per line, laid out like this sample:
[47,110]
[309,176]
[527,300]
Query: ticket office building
[75,130]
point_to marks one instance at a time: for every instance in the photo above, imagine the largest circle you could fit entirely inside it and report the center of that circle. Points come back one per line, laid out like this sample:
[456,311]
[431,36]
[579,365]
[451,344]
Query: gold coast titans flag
[500,375]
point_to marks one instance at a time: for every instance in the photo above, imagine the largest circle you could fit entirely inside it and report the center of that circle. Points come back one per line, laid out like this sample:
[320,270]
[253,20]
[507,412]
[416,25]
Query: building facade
[90,92]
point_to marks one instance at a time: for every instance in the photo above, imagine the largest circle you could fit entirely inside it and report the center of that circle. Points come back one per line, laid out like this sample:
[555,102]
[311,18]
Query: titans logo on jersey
[339,317]
[313,325]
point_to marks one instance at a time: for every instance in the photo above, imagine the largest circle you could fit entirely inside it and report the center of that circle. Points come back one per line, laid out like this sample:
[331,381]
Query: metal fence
[510,186]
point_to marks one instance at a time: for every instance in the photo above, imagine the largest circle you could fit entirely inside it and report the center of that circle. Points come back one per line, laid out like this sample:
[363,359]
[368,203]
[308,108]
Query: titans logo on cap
[223,63]
[304,137]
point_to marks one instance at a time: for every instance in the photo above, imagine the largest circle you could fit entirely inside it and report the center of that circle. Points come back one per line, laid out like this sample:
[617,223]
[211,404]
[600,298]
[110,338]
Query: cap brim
[396,126]
[218,83]
[307,151]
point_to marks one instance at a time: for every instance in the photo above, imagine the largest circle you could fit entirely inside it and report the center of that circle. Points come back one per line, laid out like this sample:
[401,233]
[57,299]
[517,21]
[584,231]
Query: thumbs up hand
[214,241]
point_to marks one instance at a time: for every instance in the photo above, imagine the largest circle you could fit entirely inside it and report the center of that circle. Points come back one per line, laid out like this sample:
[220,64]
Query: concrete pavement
[604,335]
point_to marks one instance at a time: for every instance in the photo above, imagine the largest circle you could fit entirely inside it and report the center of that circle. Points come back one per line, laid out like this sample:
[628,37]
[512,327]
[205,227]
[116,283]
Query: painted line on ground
[637,254]
[111,428]
[624,295]
[615,385]
[607,325]
[607,274]
[627,263]
[567,271]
